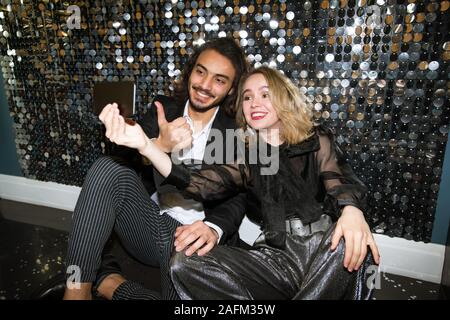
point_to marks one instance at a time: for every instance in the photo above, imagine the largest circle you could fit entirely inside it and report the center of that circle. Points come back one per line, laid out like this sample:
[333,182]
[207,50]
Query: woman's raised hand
[122,131]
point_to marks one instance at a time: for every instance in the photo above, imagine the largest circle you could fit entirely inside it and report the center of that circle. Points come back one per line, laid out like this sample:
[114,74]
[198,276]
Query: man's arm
[134,136]
[165,134]
[202,236]
[227,216]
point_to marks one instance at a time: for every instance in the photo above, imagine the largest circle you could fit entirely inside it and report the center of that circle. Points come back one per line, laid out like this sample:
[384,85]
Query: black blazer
[227,214]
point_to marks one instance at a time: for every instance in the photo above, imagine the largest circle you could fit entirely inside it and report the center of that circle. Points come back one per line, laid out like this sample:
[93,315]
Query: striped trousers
[113,198]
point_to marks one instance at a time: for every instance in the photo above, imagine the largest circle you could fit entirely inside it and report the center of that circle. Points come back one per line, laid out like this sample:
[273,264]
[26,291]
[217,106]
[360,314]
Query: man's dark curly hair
[229,49]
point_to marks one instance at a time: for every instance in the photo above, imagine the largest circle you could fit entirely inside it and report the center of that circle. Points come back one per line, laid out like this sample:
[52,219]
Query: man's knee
[107,166]
[107,162]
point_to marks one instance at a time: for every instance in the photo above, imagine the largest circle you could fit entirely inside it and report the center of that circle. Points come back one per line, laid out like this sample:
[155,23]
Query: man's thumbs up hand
[173,135]
[161,114]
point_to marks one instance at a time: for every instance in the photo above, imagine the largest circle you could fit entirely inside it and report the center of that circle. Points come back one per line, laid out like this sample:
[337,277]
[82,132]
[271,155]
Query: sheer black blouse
[313,178]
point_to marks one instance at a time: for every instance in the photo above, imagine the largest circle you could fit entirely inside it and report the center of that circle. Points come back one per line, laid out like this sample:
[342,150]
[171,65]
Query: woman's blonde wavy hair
[287,100]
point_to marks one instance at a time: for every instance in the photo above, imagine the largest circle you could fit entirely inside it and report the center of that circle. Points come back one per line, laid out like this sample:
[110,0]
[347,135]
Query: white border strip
[412,259]
[49,194]
[399,256]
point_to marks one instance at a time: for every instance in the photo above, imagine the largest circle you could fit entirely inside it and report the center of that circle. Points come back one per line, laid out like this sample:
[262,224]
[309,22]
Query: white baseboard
[399,256]
[49,194]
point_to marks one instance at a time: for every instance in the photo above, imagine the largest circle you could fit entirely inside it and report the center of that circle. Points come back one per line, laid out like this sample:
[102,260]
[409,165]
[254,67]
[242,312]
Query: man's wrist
[216,228]
[156,142]
[160,146]
[215,232]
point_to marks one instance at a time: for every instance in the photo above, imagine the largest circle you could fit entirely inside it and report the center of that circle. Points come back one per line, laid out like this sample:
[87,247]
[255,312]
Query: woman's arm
[122,132]
[212,182]
[346,193]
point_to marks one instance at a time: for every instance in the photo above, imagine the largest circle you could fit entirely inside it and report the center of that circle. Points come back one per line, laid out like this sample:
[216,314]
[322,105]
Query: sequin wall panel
[375,71]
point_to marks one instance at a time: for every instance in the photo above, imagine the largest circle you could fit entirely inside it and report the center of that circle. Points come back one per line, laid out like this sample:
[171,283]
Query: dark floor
[33,242]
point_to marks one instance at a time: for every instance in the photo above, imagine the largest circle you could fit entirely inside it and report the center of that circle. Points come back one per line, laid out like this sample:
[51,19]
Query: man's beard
[200,108]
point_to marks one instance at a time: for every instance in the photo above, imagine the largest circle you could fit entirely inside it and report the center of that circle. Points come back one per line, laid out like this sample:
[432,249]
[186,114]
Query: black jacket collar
[309,145]
[174,110]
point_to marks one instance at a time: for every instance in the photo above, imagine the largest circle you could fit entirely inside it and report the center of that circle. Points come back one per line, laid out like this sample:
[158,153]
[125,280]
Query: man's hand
[175,135]
[196,235]
[356,232]
[121,131]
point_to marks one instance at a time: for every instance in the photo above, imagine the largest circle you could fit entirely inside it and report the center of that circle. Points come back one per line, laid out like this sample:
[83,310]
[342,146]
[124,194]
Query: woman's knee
[178,262]
[181,264]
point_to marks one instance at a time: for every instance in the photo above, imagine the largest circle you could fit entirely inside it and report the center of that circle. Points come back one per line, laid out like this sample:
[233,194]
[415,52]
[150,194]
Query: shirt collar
[205,128]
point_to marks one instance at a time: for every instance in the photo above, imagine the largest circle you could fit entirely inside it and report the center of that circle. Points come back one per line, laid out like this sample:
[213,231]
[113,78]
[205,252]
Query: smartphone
[123,93]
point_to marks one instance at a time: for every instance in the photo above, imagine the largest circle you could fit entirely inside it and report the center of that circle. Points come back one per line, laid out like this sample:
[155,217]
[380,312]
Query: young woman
[315,238]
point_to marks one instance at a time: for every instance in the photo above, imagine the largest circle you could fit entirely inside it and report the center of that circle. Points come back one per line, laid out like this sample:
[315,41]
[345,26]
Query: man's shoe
[108,266]
[52,289]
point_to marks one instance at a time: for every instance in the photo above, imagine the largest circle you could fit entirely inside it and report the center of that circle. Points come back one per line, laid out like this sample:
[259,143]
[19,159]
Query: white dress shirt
[169,199]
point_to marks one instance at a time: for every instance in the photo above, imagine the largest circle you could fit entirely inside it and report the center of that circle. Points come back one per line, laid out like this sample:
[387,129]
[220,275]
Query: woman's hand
[121,132]
[356,232]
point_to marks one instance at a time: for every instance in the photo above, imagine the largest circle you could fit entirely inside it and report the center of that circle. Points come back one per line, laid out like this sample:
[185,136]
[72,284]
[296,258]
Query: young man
[148,218]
